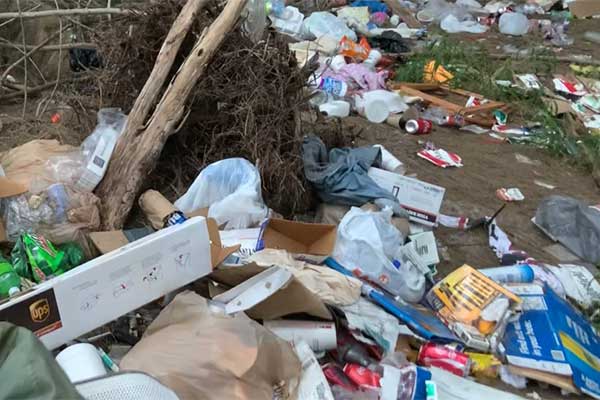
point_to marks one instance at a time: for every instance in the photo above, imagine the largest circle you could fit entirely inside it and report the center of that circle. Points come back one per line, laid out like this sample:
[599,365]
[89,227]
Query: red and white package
[573,88]
[441,158]
[362,377]
[511,194]
[450,221]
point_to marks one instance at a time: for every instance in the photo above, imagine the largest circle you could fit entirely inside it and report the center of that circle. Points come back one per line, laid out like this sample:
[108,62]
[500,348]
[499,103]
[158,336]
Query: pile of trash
[219,296]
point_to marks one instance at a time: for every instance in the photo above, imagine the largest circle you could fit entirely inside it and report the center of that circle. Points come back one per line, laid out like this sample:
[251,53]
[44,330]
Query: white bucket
[80,362]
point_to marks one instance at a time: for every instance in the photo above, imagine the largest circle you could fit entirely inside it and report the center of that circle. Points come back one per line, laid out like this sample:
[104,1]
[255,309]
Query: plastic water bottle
[10,282]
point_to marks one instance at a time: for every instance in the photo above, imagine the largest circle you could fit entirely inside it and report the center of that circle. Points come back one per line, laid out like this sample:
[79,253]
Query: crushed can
[455,120]
[363,377]
[418,126]
[444,357]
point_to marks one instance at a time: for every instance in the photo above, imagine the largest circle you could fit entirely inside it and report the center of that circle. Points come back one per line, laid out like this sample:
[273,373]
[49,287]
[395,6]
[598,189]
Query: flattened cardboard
[584,8]
[109,241]
[293,298]
[97,292]
[422,200]
[297,237]
[560,381]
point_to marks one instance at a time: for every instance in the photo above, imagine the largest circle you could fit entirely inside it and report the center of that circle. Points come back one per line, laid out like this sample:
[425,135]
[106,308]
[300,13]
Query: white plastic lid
[13,290]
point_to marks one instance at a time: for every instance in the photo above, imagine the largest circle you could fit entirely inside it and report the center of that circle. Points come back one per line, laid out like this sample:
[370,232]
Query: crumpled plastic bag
[367,243]
[363,76]
[201,353]
[324,23]
[231,189]
[572,223]
[515,24]
[452,24]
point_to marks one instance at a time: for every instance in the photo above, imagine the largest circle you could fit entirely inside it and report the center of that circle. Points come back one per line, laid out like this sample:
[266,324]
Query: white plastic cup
[389,162]
[376,110]
[81,362]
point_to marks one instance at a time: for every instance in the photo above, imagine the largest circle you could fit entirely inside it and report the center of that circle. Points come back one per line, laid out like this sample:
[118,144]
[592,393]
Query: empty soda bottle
[10,282]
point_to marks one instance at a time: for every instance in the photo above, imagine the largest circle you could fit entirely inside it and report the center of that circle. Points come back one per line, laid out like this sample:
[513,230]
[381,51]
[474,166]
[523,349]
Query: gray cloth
[340,177]
[572,223]
[28,369]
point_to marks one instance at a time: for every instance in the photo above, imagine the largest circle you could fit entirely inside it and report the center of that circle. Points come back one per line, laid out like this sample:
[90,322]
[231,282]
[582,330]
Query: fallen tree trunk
[138,149]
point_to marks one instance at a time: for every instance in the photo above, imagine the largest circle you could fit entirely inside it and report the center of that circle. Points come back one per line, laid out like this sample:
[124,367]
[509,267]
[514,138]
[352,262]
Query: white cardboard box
[425,246]
[111,285]
[422,200]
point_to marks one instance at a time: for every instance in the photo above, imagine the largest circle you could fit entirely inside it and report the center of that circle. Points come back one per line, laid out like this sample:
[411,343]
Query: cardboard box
[123,280]
[422,200]
[551,336]
[297,237]
[425,246]
[584,8]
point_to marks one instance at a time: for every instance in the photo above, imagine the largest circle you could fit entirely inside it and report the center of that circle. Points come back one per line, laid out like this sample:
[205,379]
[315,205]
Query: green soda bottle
[10,283]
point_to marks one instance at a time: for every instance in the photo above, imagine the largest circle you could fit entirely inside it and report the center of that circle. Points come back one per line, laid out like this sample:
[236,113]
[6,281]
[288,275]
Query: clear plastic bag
[323,23]
[84,169]
[366,243]
[255,19]
[232,190]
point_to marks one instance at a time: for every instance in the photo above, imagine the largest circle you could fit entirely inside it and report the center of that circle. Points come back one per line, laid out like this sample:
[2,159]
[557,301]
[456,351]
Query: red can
[435,355]
[454,120]
[362,377]
[418,126]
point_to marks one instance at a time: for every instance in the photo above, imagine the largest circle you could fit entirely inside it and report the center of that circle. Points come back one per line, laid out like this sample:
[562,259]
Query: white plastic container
[319,335]
[335,108]
[80,362]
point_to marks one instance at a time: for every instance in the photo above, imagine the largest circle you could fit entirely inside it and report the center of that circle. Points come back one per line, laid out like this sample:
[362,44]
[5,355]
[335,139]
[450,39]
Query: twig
[39,88]
[59,69]
[24,60]
[12,19]
[51,47]
[70,11]
[16,47]
[28,54]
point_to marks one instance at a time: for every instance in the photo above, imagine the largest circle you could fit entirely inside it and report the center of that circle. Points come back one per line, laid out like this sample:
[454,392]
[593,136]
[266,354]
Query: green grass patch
[476,70]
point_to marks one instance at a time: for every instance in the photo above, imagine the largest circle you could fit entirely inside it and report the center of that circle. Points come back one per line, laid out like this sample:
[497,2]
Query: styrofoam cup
[80,362]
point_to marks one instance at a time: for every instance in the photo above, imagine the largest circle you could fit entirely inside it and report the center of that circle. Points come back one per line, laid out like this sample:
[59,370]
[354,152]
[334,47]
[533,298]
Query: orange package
[351,49]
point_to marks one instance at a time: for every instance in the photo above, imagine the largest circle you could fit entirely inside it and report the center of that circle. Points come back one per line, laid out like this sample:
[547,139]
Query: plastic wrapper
[35,258]
[515,24]
[231,188]
[366,244]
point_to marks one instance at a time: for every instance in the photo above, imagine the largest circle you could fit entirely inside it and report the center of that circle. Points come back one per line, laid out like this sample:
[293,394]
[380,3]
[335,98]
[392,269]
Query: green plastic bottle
[10,283]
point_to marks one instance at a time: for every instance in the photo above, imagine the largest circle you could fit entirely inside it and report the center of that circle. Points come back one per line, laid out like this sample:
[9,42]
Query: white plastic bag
[232,190]
[515,24]
[323,23]
[366,243]
[452,24]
